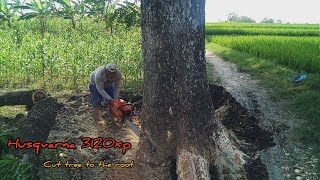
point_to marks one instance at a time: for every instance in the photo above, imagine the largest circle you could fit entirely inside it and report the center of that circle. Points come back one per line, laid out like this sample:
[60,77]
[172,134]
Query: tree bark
[183,138]
[177,108]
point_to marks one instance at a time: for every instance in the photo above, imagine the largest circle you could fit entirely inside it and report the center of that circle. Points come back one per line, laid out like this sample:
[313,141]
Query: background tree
[103,10]
[128,14]
[109,13]
[18,3]
[68,11]
[233,17]
[177,110]
[6,11]
[245,19]
[37,9]
[267,20]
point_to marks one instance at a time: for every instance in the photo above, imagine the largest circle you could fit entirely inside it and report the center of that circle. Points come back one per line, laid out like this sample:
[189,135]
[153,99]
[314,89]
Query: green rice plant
[261,31]
[299,53]
[262,25]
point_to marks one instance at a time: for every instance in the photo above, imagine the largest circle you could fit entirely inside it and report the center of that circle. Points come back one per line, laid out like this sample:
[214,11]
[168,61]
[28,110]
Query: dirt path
[287,159]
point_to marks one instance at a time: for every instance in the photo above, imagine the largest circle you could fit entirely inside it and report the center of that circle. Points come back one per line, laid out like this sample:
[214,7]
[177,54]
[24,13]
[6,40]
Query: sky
[293,11]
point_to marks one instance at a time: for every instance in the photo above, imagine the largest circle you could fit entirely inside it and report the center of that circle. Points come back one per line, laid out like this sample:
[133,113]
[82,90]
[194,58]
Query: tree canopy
[233,17]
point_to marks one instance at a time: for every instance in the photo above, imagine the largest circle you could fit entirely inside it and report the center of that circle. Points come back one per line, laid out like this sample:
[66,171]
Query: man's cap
[111,67]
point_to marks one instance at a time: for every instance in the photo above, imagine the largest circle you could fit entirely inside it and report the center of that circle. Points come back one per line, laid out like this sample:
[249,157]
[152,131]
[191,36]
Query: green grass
[11,111]
[299,53]
[301,99]
[210,76]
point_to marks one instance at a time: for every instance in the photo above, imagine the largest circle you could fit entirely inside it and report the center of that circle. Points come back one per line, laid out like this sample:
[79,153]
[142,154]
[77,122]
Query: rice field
[262,25]
[262,31]
[299,53]
[64,58]
[285,44]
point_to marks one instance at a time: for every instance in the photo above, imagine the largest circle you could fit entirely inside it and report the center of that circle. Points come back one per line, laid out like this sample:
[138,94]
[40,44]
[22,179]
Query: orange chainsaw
[123,112]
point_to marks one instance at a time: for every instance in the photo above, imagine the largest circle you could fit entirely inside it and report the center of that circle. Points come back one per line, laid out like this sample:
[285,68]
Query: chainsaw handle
[117,108]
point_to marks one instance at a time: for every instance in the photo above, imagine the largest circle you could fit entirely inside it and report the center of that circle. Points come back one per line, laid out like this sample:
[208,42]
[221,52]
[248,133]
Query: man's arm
[100,88]
[117,86]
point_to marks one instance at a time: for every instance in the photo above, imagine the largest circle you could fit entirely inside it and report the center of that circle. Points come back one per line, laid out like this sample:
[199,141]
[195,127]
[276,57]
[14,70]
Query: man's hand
[111,101]
[104,104]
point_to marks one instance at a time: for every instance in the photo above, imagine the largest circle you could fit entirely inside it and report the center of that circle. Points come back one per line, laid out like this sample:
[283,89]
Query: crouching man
[105,84]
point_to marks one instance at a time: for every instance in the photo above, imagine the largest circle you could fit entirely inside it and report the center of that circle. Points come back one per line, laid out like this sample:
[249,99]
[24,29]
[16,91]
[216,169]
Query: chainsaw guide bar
[123,113]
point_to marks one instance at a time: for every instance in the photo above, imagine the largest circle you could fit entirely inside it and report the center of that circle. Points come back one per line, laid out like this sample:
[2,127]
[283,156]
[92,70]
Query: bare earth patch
[74,122]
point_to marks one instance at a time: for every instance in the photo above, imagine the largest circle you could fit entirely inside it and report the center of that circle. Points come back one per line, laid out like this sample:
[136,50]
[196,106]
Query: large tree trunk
[183,139]
[177,108]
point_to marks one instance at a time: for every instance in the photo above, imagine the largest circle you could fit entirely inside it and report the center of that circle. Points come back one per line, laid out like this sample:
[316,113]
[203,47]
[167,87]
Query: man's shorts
[96,97]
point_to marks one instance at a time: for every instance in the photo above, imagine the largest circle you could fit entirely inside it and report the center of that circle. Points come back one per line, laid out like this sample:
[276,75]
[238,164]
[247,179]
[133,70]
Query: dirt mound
[236,118]
[246,127]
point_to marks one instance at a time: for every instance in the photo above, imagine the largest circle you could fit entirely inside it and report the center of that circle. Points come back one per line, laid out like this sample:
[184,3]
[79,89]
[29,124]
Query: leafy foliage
[40,9]
[11,167]
[6,11]
[129,14]
[70,9]
[109,11]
